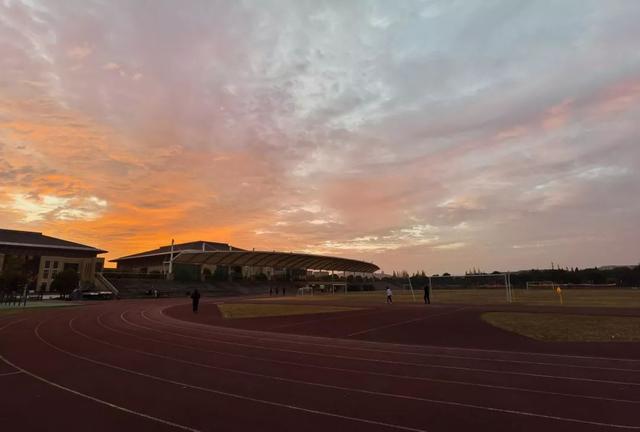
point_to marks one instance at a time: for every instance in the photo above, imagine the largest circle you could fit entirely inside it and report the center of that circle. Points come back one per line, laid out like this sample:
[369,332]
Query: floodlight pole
[171,260]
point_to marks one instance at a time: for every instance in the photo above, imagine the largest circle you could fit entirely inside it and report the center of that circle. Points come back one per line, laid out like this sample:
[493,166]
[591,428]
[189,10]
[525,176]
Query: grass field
[629,298]
[567,327]
[251,310]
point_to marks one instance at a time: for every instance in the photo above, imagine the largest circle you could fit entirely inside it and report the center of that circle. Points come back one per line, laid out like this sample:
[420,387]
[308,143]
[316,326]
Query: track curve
[130,365]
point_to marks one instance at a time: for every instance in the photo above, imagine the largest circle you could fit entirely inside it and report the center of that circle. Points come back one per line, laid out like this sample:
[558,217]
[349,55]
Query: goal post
[305,290]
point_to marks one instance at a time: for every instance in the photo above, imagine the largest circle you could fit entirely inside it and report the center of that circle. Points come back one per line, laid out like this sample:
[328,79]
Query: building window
[47,264]
[45,274]
[54,272]
[55,264]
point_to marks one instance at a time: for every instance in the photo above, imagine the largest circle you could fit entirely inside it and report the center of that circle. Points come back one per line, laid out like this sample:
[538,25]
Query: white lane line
[10,373]
[404,322]
[349,389]
[11,323]
[421,365]
[222,393]
[94,399]
[353,371]
[161,311]
[403,353]
[338,343]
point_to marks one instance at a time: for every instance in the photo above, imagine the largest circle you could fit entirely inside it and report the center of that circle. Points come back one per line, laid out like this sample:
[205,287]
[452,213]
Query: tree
[14,276]
[65,281]
[446,274]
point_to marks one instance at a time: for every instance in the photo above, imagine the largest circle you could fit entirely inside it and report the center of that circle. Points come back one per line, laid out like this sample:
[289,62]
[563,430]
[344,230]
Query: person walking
[195,299]
[389,295]
[427,293]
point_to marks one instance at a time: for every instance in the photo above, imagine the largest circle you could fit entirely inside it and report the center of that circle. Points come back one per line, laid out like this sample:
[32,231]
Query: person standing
[389,295]
[195,299]
[427,293]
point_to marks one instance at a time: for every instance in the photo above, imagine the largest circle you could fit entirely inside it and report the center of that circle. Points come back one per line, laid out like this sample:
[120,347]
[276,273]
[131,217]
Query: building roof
[199,245]
[276,260]
[38,240]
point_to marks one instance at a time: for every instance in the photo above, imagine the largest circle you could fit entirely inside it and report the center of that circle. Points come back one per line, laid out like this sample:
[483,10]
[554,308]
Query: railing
[106,283]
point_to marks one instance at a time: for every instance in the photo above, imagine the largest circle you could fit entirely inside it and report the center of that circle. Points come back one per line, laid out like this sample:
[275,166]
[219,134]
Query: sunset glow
[417,135]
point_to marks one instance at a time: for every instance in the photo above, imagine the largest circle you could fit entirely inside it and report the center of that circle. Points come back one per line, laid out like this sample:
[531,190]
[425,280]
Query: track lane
[406,387]
[160,313]
[159,365]
[162,375]
[371,365]
[262,344]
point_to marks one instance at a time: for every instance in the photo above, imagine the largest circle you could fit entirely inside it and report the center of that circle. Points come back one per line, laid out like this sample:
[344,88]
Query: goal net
[541,285]
[468,285]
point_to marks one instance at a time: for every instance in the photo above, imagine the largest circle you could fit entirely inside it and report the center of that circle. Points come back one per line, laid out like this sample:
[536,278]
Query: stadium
[287,337]
[319,216]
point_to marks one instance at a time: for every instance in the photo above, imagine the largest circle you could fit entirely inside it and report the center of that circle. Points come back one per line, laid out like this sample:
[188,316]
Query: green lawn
[250,310]
[566,327]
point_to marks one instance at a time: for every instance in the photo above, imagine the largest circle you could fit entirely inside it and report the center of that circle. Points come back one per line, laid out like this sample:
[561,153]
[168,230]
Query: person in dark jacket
[427,299]
[195,299]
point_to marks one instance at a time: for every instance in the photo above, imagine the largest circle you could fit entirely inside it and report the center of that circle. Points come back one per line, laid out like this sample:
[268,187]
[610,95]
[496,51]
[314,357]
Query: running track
[130,365]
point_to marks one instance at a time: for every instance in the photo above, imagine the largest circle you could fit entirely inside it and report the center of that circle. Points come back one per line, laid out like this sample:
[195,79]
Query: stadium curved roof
[276,260]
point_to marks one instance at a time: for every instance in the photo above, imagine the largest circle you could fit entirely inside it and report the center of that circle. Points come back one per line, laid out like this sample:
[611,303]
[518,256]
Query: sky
[419,135]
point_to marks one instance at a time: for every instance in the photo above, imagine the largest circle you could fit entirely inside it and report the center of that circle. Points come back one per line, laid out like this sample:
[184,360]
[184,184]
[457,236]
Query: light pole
[171,261]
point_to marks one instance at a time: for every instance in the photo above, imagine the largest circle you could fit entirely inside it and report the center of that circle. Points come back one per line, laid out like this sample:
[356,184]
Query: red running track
[128,365]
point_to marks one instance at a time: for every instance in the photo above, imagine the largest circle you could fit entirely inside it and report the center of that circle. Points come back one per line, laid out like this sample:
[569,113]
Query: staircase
[103,284]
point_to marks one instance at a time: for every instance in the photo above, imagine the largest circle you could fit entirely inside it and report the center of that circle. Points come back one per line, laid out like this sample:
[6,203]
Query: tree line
[623,276]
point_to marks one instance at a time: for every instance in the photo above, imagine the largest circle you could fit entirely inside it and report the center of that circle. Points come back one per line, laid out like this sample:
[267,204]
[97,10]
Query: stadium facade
[160,261]
[200,259]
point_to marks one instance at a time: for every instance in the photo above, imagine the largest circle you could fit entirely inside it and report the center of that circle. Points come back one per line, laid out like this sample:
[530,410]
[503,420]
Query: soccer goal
[465,285]
[541,285]
[305,290]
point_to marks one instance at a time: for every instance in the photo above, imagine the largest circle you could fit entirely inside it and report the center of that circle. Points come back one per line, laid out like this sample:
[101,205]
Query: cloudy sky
[436,135]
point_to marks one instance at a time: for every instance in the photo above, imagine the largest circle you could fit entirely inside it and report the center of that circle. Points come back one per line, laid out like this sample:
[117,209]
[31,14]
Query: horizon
[431,136]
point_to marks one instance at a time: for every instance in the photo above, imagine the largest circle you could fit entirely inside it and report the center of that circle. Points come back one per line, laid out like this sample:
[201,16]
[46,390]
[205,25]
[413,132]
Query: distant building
[41,257]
